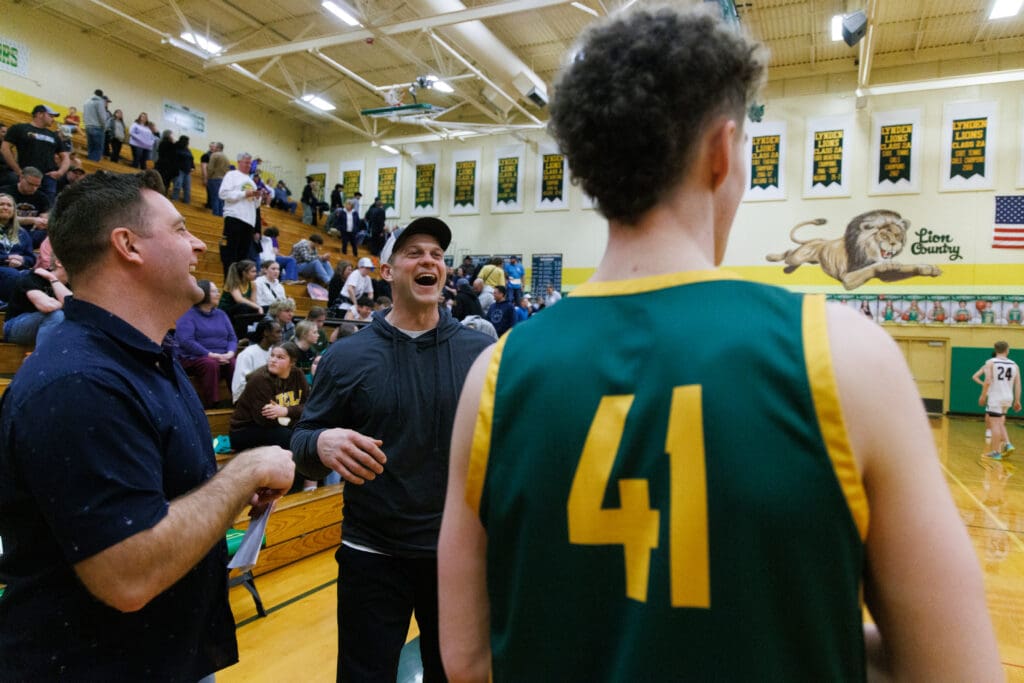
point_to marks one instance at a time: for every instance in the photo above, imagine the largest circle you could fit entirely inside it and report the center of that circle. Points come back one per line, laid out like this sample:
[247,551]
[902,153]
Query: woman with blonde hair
[239,300]
[16,255]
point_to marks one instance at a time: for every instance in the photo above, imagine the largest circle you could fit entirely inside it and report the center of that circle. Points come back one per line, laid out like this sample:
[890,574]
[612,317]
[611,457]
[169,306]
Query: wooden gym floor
[297,640]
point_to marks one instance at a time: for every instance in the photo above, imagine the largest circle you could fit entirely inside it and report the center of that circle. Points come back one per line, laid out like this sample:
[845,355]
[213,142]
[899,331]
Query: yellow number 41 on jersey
[634,525]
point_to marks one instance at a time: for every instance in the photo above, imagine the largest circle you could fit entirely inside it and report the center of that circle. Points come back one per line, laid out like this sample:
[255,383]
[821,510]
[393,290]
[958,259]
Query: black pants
[348,238]
[238,240]
[377,595]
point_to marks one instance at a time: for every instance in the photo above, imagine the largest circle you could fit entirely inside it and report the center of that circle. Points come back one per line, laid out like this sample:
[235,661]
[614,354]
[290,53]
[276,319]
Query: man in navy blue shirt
[502,313]
[112,512]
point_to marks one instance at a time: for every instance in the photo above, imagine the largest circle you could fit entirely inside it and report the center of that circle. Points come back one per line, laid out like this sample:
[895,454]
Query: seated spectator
[240,302]
[45,260]
[36,306]
[282,312]
[551,297]
[271,404]
[255,355]
[306,337]
[484,294]
[206,344]
[270,249]
[73,175]
[357,285]
[30,203]
[318,316]
[16,254]
[475,322]
[268,285]
[382,303]
[335,286]
[362,312]
[186,163]
[523,309]
[283,198]
[313,265]
[71,122]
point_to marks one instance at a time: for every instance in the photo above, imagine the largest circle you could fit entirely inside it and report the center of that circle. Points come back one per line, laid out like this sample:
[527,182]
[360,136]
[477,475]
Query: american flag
[1009,230]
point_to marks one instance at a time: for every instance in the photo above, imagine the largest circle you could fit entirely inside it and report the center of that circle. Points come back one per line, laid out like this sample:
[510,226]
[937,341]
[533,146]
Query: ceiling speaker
[854,27]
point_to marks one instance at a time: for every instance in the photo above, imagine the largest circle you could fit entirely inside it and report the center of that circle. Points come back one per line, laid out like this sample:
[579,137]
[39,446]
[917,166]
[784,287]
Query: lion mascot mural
[867,250]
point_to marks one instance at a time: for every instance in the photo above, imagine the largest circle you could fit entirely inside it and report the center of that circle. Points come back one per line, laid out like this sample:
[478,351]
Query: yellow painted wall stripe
[818,357]
[480,450]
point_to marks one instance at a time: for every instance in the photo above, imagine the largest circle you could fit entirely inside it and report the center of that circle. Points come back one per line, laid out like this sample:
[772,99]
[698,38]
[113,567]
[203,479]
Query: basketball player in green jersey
[694,496]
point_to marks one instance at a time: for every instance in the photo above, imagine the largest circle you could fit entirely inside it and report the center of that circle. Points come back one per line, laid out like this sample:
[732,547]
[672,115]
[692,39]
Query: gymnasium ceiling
[285,49]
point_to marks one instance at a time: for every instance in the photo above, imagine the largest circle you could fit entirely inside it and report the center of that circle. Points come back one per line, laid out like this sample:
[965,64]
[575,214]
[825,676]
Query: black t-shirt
[36,146]
[27,205]
[25,283]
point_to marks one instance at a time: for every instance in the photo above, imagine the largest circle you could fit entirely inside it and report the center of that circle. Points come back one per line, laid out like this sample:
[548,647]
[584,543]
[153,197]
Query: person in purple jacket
[206,344]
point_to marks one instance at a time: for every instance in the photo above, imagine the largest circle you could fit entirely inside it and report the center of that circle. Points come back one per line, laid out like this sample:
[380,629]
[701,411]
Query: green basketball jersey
[668,490]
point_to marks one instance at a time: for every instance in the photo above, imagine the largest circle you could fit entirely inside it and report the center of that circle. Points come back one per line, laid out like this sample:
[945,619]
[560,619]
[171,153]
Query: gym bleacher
[304,523]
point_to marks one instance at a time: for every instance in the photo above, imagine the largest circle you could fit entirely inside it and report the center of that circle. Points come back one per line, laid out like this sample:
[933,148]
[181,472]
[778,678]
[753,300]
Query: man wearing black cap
[380,415]
[37,146]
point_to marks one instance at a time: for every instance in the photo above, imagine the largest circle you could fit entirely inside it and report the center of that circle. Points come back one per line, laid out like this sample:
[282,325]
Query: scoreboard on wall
[546,270]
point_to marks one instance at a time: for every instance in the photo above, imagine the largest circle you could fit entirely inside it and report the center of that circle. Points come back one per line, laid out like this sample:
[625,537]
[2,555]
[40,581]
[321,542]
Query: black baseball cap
[41,108]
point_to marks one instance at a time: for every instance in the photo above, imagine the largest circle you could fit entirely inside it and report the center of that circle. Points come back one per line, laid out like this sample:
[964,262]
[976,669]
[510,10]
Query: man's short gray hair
[243,155]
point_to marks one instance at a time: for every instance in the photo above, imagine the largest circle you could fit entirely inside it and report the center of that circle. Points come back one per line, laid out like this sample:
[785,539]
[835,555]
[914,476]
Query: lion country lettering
[929,242]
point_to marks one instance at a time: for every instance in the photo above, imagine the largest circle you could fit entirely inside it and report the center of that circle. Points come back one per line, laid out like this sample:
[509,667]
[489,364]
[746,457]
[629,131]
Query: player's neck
[674,236]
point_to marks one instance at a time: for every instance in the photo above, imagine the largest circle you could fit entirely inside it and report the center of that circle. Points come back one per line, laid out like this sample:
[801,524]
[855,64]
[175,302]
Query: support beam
[497,9]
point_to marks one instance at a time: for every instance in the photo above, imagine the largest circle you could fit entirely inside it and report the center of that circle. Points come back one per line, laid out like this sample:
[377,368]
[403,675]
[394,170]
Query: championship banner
[14,56]
[764,161]
[425,189]
[552,170]
[967,153]
[766,151]
[895,152]
[827,157]
[507,188]
[350,174]
[968,160]
[465,170]
[388,172]
[828,142]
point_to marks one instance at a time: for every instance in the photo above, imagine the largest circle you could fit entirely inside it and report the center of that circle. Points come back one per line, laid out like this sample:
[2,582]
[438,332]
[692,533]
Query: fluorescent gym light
[202,43]
[437,84]
[389,149]
[337,11]
[242,70]
[837,27]
[1005,8]
[319,103]
[580,6]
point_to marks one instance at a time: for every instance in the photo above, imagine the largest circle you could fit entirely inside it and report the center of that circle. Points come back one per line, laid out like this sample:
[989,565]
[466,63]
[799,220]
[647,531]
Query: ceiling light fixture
[343,14]
[204,44]
[318,102]
[1002,9]
[580,6]
[437,84]
[389,149]
[837,28]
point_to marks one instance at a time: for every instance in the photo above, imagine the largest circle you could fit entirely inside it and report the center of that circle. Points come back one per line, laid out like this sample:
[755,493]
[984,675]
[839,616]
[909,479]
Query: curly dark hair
[642,85]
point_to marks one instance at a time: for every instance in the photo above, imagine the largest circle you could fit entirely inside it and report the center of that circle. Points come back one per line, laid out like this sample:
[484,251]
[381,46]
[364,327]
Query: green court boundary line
[286,603]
